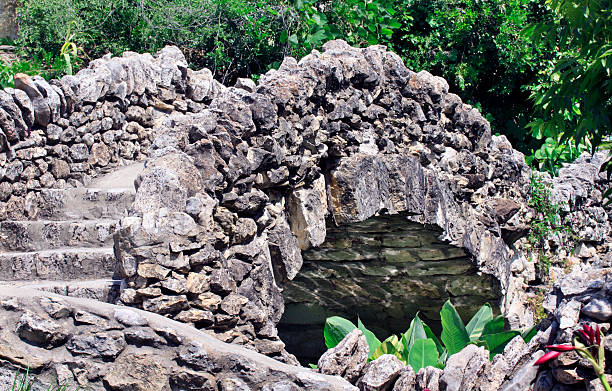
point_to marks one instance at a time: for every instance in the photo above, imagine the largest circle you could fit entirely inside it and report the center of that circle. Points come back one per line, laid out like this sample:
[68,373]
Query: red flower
[561,348]
[547,357]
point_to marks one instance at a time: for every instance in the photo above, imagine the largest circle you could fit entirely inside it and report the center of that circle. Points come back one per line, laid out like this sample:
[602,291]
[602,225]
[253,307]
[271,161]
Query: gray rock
[429,377]
[42,111]
[598,308]
[106,345]
[524,376]
[406,380]
[129,317]
[464,368]
[347,359]
[41,332]
[380,374]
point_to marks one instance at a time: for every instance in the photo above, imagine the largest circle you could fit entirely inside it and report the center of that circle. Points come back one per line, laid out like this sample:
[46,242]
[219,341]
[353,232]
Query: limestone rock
[42,332]
[138,372]
[380,374]
[347,359]
[464,368]
[106,345]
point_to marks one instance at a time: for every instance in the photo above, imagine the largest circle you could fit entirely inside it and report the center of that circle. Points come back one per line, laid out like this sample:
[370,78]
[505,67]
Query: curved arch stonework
[231,195]
[140,182]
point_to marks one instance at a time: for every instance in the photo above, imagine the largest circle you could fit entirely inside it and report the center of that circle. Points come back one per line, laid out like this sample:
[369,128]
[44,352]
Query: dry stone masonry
[142,183]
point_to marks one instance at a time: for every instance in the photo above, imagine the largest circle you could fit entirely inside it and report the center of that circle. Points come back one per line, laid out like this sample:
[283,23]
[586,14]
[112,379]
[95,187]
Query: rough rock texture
[346,134]
[347,359]
[104,355]
[237,183]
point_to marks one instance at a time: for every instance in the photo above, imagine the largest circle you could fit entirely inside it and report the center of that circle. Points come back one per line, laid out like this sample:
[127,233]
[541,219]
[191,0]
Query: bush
[231,37]
[419,347]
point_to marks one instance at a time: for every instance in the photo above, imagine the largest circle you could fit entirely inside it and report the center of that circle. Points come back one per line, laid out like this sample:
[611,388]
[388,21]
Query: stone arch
[231,194]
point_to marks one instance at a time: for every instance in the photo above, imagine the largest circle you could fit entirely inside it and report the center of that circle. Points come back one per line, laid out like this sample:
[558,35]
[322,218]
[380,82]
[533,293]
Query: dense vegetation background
[539,71]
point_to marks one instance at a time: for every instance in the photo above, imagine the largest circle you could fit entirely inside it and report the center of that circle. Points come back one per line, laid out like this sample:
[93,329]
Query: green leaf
[529,333]
[423,354]
[432,336]
[391,345]
[454,336]
[495,325]
[415,331]
[386,31]
[284,36]
[476,325]
[373,342]
[313,366]
[293,39]
[497,342]
[336,328]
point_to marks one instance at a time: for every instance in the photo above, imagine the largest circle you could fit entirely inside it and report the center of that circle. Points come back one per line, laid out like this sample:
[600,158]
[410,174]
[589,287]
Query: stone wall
[383,270]
[241,182]
[232,194]
[80,342]
[62,133]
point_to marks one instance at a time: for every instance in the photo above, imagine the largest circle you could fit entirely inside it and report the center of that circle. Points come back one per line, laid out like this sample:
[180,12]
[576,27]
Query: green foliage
[336,328]
[419,347]
[478,47]
[231,37]
[360,23]
[46,66]
[546,223]
[574,102]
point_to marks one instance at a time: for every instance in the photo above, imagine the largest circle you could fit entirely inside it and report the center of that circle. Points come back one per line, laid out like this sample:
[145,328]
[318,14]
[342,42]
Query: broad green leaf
[431,335]
[293,39]
[390,345]
[313,366]
[495,325]
[336,328]
[497,342]
[476,325]
[373,342]
[454,336]
[423,354]
[529,333]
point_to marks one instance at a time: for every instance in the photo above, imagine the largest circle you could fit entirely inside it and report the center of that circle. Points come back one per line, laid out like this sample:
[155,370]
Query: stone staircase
[68,249]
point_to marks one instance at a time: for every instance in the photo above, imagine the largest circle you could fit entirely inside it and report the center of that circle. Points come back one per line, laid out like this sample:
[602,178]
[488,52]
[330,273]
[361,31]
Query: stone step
[58,264]
[40,235]
[104,290]
[84,203]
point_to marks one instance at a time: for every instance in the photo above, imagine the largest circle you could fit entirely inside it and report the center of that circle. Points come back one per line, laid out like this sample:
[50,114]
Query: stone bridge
[342,184]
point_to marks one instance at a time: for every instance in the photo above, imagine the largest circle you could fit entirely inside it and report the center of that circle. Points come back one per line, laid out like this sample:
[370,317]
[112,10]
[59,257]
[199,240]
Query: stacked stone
[61,133]
[101,347]
[231,194]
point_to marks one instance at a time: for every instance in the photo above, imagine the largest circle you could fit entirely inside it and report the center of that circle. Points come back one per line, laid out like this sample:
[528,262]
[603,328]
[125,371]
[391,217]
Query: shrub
[419,347]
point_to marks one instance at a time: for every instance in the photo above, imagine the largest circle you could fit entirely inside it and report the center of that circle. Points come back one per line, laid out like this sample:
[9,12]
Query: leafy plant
[574,102]
[546,223]
[360,23]
[419,347]
[588,344]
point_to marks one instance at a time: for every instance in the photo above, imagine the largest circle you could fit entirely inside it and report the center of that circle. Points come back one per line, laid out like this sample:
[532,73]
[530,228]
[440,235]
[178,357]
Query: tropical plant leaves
[336,328]
[495,325]
[391,345]
[476,325]
[373,342]
[454,336]
[423,354]
[497,342]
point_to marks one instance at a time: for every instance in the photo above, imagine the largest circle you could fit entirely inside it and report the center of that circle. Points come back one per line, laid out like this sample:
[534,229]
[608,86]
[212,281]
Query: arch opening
[383,270]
